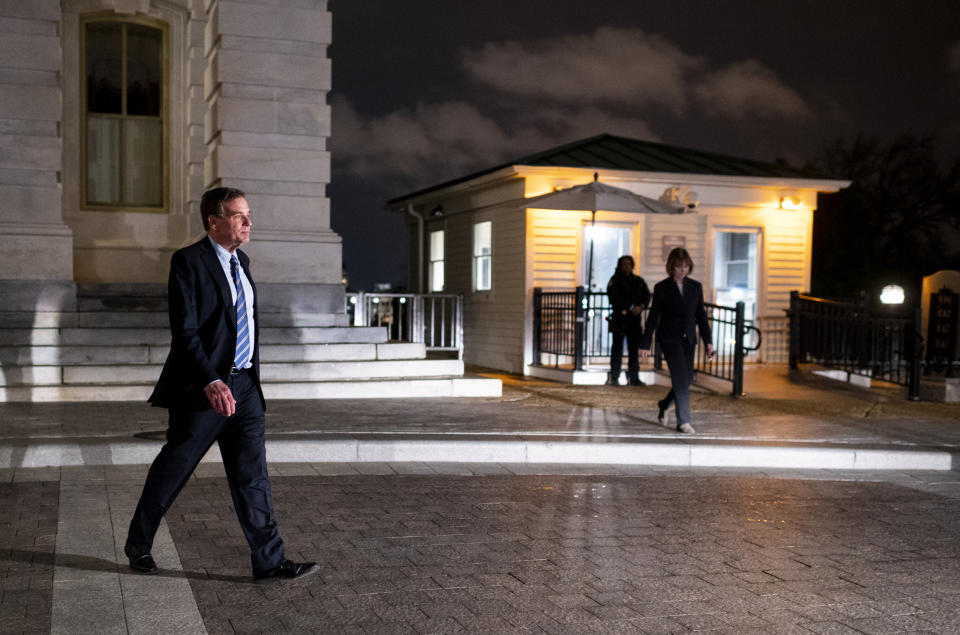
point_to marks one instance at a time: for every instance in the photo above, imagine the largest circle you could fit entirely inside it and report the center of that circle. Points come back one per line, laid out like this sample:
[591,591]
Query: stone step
[113,336]
[37,319]
[379,388]
[30,356]
[121,289]
[154,319]
[273,373]
[382,389]
[118,303]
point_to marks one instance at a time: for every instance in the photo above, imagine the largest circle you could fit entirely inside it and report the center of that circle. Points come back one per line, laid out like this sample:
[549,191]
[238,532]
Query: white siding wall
[555,242]
[691,226]
[493,320]
[788,251]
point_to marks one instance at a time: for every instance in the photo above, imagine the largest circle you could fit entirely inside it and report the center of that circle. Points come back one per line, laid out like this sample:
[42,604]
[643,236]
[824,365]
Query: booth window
[436,261]
[123,114]
[481,256]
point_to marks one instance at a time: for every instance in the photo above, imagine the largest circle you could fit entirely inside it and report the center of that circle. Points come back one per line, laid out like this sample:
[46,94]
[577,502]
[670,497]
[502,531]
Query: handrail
[434,319]
[882,345]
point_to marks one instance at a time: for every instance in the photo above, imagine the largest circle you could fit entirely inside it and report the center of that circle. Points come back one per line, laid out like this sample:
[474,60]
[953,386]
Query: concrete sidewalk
[787,420]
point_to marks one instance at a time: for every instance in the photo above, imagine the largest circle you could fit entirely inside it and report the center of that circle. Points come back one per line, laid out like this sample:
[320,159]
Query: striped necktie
[242,356]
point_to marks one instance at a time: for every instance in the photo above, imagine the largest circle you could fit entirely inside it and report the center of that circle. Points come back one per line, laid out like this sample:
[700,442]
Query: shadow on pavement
[89,563]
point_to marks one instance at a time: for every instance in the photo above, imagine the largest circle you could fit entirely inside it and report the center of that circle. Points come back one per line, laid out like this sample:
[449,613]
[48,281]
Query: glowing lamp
[790,201]
[892,294]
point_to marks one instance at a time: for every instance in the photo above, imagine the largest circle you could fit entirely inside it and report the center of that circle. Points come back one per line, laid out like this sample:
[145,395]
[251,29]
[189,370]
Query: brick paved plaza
[478,544]
[421,548]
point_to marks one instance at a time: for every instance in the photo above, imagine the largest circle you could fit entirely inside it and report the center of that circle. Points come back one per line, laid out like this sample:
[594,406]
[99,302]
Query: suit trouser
[632,335]
[679,356]
[241,439]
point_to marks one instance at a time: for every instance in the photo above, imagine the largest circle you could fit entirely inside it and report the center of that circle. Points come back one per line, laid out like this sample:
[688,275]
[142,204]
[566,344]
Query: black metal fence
[435,319]
[880,344]
[570,328]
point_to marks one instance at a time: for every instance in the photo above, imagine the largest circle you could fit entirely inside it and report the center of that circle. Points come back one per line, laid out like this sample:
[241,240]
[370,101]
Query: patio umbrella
[595,196]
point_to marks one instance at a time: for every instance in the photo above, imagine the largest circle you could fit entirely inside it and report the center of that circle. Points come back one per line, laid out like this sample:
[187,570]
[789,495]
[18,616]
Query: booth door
[735,270]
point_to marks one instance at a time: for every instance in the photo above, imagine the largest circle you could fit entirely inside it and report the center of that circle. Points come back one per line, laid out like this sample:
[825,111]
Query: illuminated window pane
[481,256]
[103,156]
[735,270]
[143,176]
[436,260]
[609,242]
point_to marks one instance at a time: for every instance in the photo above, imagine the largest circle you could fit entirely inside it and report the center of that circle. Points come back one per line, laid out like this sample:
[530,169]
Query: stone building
[115,115]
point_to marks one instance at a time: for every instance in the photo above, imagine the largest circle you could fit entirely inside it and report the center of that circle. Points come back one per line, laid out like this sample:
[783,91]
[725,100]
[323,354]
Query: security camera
[691,199]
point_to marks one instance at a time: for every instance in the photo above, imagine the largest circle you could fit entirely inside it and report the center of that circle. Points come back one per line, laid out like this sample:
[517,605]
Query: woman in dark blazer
[676,313]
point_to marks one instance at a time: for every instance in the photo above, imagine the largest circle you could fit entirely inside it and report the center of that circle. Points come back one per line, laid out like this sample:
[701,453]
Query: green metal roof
[621,153]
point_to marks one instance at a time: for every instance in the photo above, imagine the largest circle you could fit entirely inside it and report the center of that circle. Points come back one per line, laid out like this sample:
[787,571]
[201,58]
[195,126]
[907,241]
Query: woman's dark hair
[677,256]
[622,258]
[211,203]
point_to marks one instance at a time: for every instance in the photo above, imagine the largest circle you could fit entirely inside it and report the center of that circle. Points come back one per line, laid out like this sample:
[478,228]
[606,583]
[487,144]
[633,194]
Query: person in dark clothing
[210,385]
[676,315]
[629,295]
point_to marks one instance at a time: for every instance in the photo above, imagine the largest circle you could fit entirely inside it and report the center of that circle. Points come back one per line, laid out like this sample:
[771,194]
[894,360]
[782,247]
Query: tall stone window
[124,112]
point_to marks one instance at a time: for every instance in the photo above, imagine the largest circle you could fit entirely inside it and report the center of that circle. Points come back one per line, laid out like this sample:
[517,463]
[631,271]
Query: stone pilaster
[268,122]
[36,268]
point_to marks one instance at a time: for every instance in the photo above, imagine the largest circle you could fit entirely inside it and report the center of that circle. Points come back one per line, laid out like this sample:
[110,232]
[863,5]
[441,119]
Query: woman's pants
[679,356]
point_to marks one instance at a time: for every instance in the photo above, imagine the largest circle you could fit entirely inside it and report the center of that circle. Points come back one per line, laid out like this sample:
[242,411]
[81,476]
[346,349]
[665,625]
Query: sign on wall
[669,242]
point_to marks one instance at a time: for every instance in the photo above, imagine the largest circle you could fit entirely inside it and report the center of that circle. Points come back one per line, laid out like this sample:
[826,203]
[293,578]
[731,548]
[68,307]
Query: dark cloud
[749,88]
[609,65]
[552,91]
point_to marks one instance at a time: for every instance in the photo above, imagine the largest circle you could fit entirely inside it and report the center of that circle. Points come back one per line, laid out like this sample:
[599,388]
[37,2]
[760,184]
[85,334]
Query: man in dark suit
[210,385]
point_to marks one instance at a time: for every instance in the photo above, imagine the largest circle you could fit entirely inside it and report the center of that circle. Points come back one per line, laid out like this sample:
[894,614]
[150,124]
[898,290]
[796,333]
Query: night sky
[428,90]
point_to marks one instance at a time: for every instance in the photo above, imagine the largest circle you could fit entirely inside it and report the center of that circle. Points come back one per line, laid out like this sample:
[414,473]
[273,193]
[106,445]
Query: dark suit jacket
[203,325]
[674,316]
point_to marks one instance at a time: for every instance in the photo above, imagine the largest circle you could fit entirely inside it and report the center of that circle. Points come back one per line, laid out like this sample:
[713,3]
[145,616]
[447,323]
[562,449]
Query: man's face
[233,228]
[626,266]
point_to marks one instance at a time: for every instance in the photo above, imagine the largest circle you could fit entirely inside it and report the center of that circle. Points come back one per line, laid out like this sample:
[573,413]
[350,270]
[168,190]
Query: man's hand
[644,352]
[636,309]
[710,350]
[221,398]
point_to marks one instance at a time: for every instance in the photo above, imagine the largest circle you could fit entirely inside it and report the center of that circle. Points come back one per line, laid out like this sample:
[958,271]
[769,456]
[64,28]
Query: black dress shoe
[661,413]
[286,571]
[140,561]
[636,382]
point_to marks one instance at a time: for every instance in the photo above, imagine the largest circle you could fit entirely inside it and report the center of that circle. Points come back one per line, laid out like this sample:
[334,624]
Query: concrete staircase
[113,347]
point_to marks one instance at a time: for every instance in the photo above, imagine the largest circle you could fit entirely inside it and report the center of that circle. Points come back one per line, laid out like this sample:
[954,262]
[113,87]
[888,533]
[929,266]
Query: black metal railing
[434,319]
[879,344]
[730,336]
[571,327]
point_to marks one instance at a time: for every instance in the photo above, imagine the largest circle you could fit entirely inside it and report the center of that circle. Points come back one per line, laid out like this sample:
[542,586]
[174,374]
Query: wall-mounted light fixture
[437,211]
[681,195]
[790,200]
[892,294]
